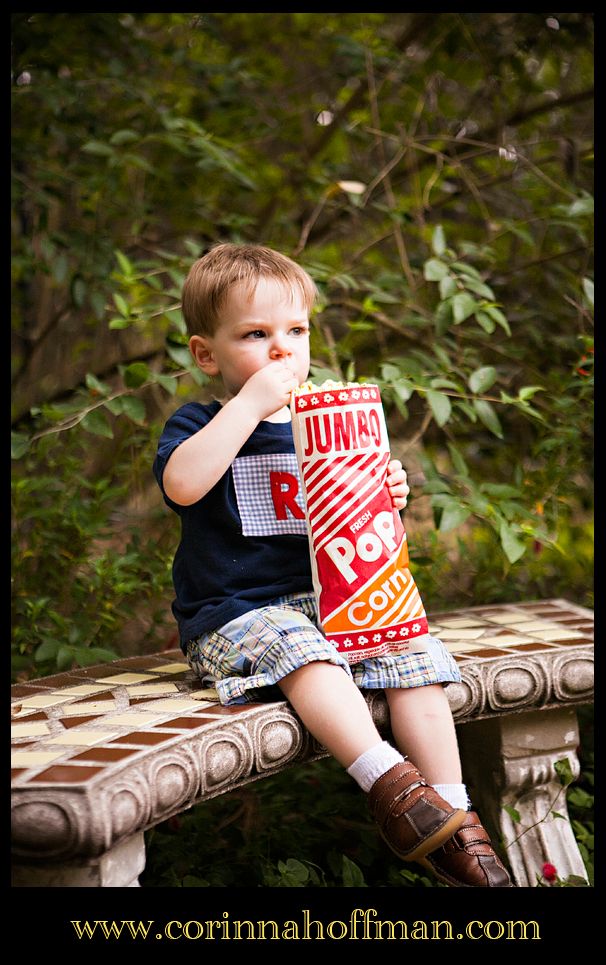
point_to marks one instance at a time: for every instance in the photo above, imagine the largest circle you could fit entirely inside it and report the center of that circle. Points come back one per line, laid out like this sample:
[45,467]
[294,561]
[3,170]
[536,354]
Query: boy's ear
[201,349]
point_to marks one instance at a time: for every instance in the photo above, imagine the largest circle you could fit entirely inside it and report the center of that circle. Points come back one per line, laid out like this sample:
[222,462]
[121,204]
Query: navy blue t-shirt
[245,542]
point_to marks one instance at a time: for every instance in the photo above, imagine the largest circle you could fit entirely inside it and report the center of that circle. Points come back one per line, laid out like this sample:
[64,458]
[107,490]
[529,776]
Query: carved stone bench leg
[119,867]
[510,761]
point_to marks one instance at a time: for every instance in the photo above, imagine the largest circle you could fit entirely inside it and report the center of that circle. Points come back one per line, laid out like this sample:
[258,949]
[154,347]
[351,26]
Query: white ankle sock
[454,794]
[373,764]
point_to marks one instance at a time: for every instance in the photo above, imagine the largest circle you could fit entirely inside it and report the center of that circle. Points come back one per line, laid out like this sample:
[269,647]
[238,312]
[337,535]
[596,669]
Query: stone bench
[101,754]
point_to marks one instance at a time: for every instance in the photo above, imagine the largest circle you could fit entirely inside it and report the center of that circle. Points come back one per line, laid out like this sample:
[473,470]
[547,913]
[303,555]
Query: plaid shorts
[245,658]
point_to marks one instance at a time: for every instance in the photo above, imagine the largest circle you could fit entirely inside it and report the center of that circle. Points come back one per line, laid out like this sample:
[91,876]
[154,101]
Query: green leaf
[453,515]
[136,374]
[498,317]
[125,265]
[512,547]
[121,305]
[46,651]
[403,389]
[479,288]
[134,408]
[438,241]
[443,317]
[465,269]
[440,406]
[457,460]
[65,658]
[513,814]
[19,445]
[447,286]
[390,372]
[482,378]
[125,136]
[588,289]
[434,270]
[488,416]
[463,305]
[485,322]
[119,323]
[92,382]
[352,875]
[96,147]
[168,382]
[527,391]
[500,489]
[60,268]
[96,422]
[88,656]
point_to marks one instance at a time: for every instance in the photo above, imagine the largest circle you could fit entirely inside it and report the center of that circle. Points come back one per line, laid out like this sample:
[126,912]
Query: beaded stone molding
[100,753]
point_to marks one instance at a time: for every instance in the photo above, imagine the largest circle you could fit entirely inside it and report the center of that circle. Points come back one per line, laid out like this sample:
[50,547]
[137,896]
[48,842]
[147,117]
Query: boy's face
[271,326]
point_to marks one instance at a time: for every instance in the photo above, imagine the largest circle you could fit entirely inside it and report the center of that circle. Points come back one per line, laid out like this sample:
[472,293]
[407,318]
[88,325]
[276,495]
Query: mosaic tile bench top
[71,728]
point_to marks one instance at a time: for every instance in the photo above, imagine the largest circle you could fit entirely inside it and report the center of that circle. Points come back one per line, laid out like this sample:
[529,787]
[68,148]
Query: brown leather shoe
[467,860]
[412,817]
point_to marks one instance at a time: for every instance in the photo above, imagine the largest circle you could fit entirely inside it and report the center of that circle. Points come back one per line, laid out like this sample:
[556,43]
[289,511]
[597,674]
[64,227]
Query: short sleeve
[185,422]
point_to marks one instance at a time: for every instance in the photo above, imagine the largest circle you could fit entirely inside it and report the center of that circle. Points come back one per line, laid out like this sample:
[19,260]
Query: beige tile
[508,618]
[84,737]
[134,719]
[461,634]
[173,705]
[145,690]
[534,625]
[45,700]
[34,758]
[127,678]
[170,668]
[34,729]
[557,634]
[460,647]
[90,707]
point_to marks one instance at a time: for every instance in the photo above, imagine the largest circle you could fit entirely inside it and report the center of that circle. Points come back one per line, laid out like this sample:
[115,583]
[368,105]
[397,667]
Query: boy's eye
[299,330]
[257,333]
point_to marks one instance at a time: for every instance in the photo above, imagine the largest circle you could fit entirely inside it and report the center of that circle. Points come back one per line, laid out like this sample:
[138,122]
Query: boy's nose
[279,348]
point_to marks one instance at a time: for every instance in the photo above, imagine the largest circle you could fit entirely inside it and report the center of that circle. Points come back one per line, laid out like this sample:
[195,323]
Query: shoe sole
[452,882]
[434,840]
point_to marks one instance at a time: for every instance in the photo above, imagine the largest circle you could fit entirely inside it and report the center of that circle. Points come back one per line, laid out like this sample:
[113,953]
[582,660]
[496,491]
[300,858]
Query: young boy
[244,598]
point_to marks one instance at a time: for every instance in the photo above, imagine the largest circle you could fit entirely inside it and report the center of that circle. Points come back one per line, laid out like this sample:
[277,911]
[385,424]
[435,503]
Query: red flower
[550,872]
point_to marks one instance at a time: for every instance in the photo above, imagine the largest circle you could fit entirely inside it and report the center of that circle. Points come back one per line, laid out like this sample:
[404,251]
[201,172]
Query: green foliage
[245,839]
[449,234]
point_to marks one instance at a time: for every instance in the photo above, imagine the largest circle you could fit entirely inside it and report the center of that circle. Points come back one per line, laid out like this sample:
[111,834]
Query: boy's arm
[199,462]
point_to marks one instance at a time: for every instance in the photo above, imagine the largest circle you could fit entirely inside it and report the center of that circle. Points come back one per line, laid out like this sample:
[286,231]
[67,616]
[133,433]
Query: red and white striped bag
[368,602]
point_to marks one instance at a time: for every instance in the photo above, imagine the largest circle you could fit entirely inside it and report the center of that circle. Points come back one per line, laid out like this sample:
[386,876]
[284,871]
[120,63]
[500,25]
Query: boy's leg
[423,726]
[412,816]
[332,709]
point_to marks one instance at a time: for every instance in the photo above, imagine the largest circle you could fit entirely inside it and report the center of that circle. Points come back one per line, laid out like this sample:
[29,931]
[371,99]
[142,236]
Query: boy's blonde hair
[211,278]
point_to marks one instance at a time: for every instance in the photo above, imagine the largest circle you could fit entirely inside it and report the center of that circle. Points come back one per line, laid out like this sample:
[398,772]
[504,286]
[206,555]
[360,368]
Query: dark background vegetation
[433,173]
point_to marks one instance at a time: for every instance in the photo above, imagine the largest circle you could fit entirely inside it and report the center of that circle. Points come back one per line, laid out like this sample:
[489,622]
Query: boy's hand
[268,390]
[396,483]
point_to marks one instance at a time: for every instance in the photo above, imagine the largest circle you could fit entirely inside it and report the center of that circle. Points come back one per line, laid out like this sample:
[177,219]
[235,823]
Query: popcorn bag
[368,602]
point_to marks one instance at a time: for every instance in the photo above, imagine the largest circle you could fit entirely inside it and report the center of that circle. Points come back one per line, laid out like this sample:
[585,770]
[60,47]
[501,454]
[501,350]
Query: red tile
[140,737]
[24,691]
[489,652]
[16,771]
[182,722]
[104,754]
[76,721]
[64,774]
[534,646]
